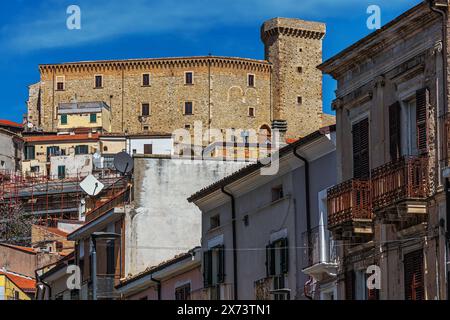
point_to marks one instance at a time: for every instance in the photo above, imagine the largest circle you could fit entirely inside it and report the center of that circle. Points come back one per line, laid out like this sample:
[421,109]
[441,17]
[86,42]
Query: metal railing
[319,247]
[399,180]
[349,201]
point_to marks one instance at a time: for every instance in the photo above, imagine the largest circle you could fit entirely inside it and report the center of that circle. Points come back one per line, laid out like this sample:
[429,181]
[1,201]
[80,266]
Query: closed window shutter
[413,268]
[394,131]
[360,133]
[284,256]
[207,268]
[422,102]
[221,269]
[349,285]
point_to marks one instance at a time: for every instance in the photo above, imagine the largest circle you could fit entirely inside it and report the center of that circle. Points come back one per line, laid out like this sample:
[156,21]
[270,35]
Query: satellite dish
[123,162]
[30,125]
[91,185]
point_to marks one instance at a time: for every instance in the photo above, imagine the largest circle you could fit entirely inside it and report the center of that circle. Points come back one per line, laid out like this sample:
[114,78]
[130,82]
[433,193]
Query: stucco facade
[163,224]
[271,215]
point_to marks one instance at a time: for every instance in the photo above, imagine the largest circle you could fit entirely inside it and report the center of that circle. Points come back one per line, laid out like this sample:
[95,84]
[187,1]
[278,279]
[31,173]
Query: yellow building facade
[9,290]
[95,116]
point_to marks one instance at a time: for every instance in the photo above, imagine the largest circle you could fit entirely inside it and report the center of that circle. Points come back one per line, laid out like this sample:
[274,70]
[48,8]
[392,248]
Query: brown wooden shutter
[394,131]
[349,285]
[360,132]
[148,149]
[422,102]
[413,268]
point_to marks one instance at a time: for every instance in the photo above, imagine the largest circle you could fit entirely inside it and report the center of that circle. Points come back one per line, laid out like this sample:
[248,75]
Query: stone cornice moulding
[294,32]
[222,62]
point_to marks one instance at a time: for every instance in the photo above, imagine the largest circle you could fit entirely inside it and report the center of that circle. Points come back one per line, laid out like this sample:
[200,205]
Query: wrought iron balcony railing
[400,180]
[349,201]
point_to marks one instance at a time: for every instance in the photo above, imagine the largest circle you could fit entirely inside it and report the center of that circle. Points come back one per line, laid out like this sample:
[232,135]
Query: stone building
[284,91]
[389,208]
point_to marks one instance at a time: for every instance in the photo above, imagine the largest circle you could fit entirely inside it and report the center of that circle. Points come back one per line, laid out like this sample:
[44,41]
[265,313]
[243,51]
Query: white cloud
[105,19]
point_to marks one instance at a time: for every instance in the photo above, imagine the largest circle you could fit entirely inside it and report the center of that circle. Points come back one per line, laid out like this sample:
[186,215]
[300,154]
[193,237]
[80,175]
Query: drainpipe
[45,284]
[443,14]
[307,201]
[233,226]
[158,287]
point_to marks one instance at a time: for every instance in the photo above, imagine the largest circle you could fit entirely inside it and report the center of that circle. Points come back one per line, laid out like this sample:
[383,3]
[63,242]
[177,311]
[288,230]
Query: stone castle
[284,91]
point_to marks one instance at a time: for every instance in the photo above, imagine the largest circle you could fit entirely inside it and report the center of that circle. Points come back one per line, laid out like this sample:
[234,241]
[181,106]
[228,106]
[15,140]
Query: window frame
[146,104]
[252,114]
[63,82]
[186,78]
[253,77]
[79,147]
[91,117]
[192,108]
[143,80]
[64,119]
[101,82]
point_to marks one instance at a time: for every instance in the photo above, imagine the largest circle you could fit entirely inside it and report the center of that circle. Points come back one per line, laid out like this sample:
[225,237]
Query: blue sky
[34,32]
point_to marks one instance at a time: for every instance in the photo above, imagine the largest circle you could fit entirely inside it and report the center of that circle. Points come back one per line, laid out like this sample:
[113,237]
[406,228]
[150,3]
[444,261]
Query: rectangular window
[277,193]
[145,109]
[61,172]
[30,153]
[251,80]
[183,292]
[35,169]
[146,128]
[98,82]
[214,266]
[81,149]
[214,222]
[146,79]
[64,119]
[188,108]
[189,78]
[251,112]
[360,134]
[299,100]
[148,149]
[52,151]
[277,256]
[60,83]
[413,275]
[93,118]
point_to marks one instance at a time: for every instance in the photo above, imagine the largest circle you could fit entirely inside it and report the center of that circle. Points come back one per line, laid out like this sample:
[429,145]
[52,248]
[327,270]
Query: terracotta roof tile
[26,284]
[8,123]
[51,138]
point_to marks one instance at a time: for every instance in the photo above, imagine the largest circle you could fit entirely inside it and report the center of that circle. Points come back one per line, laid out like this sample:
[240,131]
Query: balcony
[403,181]
[350,208]
[272,288]
[218,292]
[320,256]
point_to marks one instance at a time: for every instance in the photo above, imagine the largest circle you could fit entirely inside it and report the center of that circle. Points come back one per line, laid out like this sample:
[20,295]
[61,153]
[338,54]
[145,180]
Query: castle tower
[294,47]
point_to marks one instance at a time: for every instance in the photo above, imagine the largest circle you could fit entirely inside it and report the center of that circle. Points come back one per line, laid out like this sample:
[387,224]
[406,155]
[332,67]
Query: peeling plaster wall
[163,223]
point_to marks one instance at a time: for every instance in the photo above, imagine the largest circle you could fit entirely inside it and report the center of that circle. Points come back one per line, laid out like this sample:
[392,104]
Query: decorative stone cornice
[136,64]
[307,34]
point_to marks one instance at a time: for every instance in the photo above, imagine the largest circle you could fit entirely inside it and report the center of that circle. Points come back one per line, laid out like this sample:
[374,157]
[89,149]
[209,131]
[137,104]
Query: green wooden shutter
[284,261]
[207,268]
[221,264]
